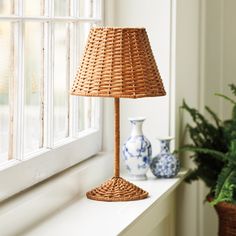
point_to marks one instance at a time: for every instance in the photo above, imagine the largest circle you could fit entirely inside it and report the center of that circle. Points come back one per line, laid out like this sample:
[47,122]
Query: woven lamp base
[117,189]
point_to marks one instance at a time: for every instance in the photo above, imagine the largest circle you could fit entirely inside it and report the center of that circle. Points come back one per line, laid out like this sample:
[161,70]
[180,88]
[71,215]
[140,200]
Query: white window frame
[19,174]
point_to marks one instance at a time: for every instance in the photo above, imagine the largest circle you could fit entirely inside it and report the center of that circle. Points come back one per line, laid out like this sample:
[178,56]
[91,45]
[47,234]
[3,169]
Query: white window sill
[58,206]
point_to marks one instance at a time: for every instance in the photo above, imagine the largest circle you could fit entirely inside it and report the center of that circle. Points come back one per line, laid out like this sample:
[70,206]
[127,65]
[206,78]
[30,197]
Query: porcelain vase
[137,151]
[165,164]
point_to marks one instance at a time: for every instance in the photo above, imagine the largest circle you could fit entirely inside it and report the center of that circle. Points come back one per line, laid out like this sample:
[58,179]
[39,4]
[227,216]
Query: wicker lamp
[118,63]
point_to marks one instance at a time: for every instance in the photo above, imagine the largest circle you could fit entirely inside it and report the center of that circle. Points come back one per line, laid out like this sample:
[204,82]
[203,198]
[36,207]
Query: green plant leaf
[213,151]
[233,88]
[218,155]
[213,115]
[231,155]
[226,98]
[234,113]
[225,185]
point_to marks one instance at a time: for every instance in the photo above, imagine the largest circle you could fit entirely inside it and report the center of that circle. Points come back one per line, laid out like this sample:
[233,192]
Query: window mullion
[94,8]
[100,11]
[46,19]
[96,104]
[48,76]
[68,71]
[74,50]
[42,82]
[12,88]
[20,87]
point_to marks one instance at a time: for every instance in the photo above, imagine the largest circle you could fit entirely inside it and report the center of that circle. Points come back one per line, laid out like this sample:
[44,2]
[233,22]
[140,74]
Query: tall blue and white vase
[165,164]
[137,151]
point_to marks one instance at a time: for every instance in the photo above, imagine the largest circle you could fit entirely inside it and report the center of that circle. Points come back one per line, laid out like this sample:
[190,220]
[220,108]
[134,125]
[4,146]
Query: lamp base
[115,190]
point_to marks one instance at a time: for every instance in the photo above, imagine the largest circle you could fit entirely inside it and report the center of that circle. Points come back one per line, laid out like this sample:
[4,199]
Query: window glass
[61,79]
[85,103]
[6,77]
[61,8]
[6,7]
[33,8]
[33,80]
[41,45]
[86,8]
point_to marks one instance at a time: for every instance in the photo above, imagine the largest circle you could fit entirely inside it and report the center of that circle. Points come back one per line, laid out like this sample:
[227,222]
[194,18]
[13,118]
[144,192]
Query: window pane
[85,103]
[33,8]
[6,76]
[33,87]
[61,79]
[6,7]
[85,113]
[85,8]
[61,8]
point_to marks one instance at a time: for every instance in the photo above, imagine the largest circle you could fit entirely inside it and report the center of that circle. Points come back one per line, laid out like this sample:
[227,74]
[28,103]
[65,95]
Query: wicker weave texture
[118,62]
[227,219]
[117,189]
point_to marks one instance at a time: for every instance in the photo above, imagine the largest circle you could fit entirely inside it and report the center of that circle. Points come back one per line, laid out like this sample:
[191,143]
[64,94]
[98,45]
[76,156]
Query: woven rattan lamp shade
[118,62]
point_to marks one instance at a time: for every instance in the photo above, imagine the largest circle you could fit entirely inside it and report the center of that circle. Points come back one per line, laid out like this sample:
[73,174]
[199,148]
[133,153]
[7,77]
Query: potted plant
[214,153]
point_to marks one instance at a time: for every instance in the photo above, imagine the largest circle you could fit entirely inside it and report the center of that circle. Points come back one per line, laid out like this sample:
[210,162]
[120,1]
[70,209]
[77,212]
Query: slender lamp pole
[117,137]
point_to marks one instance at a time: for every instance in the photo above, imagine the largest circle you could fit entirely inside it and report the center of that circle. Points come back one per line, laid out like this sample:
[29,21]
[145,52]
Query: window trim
[19,174]
[16,175]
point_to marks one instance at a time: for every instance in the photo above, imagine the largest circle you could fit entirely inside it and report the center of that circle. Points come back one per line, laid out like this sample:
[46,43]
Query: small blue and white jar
[137,151]
[165,164]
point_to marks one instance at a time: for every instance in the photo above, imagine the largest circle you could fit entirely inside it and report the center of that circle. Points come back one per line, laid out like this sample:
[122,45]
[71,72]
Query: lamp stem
[117,137]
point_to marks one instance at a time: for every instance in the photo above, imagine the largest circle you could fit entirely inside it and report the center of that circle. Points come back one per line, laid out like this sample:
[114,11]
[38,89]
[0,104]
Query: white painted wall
[187,87]
[205,63]
[219,71]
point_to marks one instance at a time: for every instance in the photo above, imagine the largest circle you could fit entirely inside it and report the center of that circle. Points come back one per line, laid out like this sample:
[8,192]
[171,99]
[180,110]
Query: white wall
[187,87]
[219,71]
[205,63]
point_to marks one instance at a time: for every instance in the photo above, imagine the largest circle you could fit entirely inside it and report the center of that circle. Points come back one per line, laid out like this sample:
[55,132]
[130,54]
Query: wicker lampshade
[118,62]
